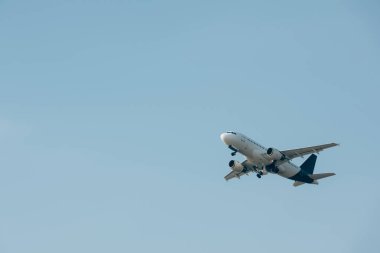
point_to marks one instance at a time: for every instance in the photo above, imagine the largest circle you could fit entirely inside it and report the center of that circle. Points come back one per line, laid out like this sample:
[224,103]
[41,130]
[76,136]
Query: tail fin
[320,176]
[309,164]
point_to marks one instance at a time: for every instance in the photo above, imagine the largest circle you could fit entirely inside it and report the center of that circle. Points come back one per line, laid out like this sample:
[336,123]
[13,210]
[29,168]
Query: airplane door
[244,142]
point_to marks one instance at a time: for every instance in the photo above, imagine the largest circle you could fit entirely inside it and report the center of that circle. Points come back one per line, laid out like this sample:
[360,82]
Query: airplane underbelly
[288,170]
[254,157]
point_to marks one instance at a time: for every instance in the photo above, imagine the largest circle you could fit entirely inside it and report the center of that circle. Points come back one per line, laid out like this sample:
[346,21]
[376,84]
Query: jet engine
[236,166]
[274,154]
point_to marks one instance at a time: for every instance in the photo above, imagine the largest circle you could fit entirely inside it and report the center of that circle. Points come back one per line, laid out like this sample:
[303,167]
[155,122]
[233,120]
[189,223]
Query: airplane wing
[293,153]
[234,174]
[231,175]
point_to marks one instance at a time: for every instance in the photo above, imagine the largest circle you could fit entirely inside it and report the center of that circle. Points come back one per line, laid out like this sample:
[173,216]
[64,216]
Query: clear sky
[111,111]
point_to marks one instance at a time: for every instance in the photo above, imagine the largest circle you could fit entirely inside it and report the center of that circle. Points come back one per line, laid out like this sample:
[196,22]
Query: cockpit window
[229,132]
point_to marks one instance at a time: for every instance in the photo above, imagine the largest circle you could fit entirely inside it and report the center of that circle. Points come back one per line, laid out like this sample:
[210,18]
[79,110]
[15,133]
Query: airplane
[262,161]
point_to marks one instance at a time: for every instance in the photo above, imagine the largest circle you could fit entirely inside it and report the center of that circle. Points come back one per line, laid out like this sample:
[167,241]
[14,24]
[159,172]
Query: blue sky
[111,111]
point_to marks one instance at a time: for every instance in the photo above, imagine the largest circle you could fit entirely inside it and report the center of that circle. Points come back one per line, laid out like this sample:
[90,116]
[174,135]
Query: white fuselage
[256,154]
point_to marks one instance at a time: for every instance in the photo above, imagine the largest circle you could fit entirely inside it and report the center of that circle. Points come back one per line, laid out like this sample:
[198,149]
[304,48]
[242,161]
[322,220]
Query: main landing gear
[259,174]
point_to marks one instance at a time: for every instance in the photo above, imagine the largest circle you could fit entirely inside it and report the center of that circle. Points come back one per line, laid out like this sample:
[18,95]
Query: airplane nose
[223,137]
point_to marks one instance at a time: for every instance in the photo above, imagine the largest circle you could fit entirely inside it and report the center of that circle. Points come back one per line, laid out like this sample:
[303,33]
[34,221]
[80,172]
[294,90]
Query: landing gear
[258,175]
[233,149]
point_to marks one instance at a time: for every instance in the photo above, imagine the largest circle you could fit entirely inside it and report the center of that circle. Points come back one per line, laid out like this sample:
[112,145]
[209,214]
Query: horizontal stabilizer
[321,175]
[297,183]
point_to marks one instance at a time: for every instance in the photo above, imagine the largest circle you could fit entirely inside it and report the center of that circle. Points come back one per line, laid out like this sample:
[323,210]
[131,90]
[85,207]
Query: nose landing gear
[233,149]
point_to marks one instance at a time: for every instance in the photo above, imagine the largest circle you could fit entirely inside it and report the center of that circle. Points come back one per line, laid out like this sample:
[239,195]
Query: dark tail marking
[309,164]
